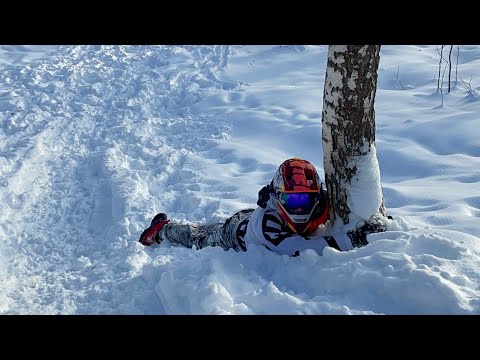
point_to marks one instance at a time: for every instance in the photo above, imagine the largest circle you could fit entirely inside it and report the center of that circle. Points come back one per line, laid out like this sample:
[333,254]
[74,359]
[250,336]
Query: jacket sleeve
[292,245]
[277,237]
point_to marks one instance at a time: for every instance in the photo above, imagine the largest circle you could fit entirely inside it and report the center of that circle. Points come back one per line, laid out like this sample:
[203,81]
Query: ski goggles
[299,203]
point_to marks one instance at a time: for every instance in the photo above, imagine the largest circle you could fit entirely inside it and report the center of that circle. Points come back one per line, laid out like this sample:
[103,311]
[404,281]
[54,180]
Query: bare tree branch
[441,84]
[449,66]
[397,79]
[468,86]
[456,66]
[440,51]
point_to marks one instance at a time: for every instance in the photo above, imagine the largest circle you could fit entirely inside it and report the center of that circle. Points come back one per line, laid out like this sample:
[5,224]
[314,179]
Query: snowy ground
[95,140]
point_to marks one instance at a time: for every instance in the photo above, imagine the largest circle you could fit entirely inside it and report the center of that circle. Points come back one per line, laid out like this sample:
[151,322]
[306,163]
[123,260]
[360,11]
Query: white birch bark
[352,173]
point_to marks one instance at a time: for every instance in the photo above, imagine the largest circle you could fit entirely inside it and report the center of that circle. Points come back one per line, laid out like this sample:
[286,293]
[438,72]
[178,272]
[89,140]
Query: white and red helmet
[297,195]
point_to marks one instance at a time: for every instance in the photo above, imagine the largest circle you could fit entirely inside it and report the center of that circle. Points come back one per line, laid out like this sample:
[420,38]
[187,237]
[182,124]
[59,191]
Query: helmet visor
[299,203]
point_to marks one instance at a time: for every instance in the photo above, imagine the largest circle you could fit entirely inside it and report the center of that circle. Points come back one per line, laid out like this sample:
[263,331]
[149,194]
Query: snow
[95,140]
[365,190]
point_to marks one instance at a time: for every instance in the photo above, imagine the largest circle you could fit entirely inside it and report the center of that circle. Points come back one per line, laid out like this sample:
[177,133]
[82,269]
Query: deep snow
[95,140]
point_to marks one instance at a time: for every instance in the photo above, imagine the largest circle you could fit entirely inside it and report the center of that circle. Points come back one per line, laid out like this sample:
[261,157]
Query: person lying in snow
[290,209]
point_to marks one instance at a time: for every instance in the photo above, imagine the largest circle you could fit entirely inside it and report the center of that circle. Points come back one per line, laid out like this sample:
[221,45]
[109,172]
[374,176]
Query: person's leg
[230,233]
[189,235]
[209,235]
[214,234]
[150,235]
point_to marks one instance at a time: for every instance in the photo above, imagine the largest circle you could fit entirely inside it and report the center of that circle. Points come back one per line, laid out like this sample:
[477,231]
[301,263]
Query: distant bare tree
[456,66]
[441,82]
[468,86]
[397,79]
[449,66]
[440,51]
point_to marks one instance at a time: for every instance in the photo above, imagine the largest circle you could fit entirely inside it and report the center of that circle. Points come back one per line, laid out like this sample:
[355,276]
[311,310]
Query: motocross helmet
[297,194]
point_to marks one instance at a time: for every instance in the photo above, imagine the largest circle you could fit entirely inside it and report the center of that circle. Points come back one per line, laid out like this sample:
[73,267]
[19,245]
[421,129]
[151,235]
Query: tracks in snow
[91,139]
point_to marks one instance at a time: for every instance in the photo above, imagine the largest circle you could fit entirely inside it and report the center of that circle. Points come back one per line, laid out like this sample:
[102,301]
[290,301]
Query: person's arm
[294,244]
[279,238]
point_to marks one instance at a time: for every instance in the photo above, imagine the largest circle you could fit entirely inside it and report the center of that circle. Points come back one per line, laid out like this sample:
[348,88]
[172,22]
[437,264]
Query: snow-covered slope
[95,140]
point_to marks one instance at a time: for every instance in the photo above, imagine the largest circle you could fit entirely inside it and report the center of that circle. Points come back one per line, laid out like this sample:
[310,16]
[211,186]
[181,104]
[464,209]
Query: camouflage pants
[213,234]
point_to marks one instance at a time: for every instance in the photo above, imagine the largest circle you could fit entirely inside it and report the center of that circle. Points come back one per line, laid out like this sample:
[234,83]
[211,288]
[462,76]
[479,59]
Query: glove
[359,236]
[264,195]
[150,236]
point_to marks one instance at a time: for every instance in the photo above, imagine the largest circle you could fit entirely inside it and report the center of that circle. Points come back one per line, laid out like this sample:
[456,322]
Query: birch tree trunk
[352,173]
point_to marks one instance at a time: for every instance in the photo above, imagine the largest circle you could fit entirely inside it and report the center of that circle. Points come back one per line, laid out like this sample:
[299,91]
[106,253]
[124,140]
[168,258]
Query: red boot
[150,235]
